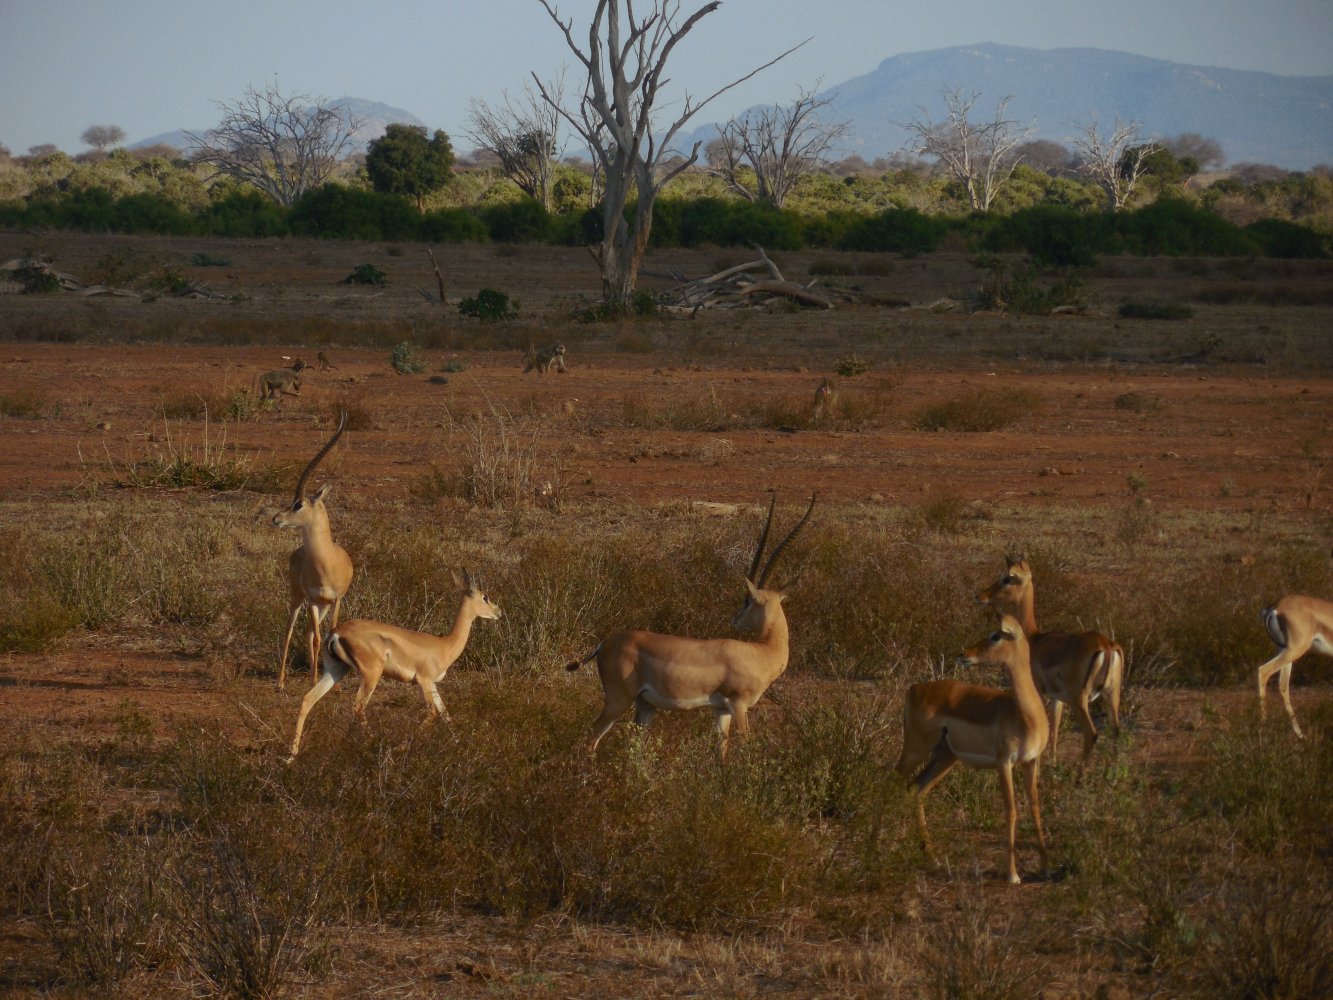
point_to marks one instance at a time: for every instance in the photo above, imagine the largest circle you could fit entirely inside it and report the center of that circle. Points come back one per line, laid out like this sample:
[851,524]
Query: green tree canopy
[404,161]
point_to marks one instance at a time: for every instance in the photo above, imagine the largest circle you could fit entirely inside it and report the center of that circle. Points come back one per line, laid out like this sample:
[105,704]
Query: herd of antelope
[944,721]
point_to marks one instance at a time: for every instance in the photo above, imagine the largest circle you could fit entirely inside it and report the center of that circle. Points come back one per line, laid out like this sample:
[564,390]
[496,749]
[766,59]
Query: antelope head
[303,507]
[474,597]
[1015,577]
[1001,646]
[761,601]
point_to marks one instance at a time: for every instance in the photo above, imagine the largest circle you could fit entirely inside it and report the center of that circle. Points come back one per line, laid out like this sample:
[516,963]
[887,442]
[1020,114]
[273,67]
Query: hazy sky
[151,66]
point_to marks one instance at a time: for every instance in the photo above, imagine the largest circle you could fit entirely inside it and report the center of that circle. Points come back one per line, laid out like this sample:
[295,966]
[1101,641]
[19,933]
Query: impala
[947,721]
[376,650]
[650,671]
[1298,624]
[1071,668]
[319,571]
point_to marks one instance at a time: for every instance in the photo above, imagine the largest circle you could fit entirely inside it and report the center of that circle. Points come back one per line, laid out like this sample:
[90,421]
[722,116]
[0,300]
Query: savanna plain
[1166,476]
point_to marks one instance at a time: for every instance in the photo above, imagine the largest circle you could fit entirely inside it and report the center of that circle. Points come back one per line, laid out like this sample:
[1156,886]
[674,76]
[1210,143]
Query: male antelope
[1298,624]
[375,650]
[947,721]
[1071,668]
[318,571]
[650,671]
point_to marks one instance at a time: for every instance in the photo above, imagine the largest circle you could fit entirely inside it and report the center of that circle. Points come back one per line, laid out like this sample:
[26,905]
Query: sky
[151,66]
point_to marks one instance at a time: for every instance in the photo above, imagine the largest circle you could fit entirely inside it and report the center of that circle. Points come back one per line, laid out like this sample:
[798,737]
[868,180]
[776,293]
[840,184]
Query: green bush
[337,211]
[405,360]
[489,305]
[902,230]
[524,221]
[366,274]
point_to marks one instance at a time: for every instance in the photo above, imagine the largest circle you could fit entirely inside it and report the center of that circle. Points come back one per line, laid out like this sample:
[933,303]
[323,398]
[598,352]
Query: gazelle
[318,571]
[1298,624]
[375,650]
[1071,668]
[650,671]
[947,721]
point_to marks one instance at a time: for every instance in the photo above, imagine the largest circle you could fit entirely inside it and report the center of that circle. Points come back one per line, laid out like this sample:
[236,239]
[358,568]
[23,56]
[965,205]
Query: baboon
[824,398]
[279,382]
[324,363]
[540,359]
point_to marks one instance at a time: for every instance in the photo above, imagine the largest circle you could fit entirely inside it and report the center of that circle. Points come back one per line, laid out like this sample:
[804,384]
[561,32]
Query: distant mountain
[1255,117]
[374,114]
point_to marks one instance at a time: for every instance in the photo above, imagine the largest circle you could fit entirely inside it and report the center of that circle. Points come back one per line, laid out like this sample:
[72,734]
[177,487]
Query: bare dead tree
[1114,162]
[625,60]
[282,144]
[778,145]
[522,132]
[981,157]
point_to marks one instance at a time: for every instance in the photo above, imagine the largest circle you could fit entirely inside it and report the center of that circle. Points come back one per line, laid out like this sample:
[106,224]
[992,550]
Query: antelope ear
[459,582]
[322,492]
[754,591]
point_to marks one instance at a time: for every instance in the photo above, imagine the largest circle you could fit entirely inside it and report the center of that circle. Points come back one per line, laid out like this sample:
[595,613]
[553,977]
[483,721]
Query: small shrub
[405,360]
[489,306]
[1138,402]
[20,403]
[985,410]
[394,251]
[203,259]
[852,366]
[32,621]
[366,274]
[453,367]
[169,281]
[1155,310]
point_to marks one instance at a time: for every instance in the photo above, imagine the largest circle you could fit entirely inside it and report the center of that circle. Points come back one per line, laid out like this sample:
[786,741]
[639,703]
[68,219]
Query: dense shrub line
[1053,234]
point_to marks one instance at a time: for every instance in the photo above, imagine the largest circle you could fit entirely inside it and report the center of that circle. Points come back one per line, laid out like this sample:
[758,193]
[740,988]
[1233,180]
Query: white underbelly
[681,704]
[1321,645]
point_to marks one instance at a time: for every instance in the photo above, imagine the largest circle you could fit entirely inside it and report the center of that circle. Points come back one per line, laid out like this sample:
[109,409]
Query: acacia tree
[102,136]
[282,144]
[981,157]
[404,161]
[778,145]
[522,134]
[625,59]
[1115,162]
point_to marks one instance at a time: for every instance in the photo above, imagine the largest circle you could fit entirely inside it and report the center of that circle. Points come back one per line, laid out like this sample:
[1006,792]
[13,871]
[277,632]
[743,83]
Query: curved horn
[763,540]
[783,544]
[300,483]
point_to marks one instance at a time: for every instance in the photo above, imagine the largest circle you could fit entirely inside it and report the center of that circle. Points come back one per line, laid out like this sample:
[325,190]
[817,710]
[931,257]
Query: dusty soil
[1245,430]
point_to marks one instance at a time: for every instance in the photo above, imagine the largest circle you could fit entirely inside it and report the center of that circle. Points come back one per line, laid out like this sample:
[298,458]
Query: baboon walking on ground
[277,383]
[324,363]
[540,359]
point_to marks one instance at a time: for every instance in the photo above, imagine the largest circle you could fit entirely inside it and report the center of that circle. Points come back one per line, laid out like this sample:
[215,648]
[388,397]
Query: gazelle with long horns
[319,571]
[376,650]
[1071,668]
[1298,624]
[947,721]
[649,671]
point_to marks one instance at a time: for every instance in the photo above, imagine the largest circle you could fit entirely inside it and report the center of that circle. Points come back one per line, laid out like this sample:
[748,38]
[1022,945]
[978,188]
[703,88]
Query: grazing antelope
[1071,668]
[318,571]
[1298,624]
[650,671]
[375,650]
[947,721]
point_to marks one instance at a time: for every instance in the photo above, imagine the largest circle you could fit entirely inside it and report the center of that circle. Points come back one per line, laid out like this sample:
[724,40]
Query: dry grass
[145,851]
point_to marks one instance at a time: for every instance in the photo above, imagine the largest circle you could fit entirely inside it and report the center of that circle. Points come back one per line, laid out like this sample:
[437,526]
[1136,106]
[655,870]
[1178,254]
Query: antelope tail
[587,659]
[1277,626]
[333,648]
